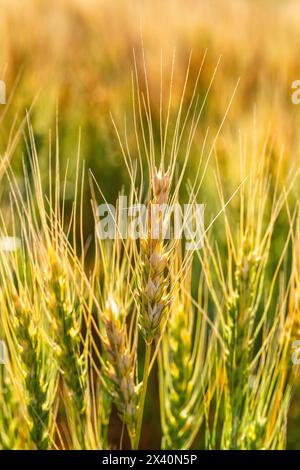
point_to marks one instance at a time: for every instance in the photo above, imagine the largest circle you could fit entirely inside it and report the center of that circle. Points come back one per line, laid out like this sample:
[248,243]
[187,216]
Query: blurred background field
[75,59]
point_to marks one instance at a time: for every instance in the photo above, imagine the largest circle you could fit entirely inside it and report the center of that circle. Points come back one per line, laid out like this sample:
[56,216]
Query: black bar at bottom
[135,459]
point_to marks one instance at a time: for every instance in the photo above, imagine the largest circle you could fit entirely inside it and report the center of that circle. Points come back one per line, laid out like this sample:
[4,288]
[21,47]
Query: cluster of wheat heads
[255,293]
[83,336]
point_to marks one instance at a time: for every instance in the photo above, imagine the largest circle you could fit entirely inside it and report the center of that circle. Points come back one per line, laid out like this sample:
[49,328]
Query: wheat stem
[143,396]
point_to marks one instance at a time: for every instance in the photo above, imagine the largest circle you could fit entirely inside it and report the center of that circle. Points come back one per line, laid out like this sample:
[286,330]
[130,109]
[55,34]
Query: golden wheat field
[149,225]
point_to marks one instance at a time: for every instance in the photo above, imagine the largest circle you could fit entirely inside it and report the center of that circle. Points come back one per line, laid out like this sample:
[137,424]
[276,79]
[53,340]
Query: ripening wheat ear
[9,411]
[237,290]
[10,408]
[154,296]
[111,286]
[154,282]
[119,368]
[28,336]
[66,342]
[186,358]
[26,343]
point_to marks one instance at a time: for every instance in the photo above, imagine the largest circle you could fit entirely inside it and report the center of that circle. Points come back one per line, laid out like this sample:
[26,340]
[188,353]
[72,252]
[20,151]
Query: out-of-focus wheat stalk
[294,299]
[22,320]
[10,411]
